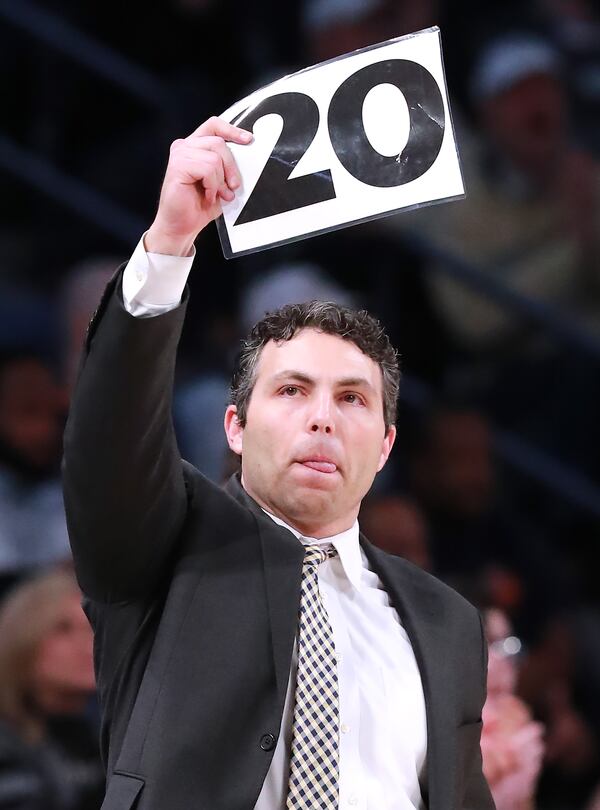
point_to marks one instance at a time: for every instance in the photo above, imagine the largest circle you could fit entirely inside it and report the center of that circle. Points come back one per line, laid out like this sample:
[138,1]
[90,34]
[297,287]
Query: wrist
[156,240]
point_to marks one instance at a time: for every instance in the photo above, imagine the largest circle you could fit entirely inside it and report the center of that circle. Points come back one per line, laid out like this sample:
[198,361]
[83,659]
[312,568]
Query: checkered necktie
[314,758]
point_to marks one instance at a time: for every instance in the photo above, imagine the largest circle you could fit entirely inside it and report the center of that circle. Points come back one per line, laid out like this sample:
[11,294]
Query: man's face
[315,435]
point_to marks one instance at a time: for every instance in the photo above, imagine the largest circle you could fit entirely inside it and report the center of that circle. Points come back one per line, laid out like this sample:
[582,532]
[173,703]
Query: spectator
[530,223]
[476,534]
[48,755]
[575,27]
[334,28]
[32,412]
[398,526]
[530,218]
[511,742]
[548,682]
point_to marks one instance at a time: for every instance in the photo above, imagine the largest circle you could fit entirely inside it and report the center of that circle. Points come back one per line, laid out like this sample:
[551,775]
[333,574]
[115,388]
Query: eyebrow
[345,382]
[291,374]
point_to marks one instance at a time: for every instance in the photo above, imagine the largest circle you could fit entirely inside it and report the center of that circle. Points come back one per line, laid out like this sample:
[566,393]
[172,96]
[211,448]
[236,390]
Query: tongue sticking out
[321,466]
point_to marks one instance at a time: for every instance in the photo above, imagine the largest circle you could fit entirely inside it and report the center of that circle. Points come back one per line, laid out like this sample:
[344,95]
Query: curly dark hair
[357,326]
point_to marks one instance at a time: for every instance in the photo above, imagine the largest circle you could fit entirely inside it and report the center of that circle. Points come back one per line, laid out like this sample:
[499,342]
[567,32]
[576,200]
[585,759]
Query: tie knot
[315,555]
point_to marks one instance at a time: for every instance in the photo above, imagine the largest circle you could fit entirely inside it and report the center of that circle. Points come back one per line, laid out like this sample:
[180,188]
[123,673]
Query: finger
[212,184]
[218,145]
[201,164]
[226,194]
[230,169]
[195,163]
[209,173]
[229,132]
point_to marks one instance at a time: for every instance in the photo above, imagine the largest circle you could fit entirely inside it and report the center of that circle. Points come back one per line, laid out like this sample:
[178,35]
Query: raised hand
[200,174]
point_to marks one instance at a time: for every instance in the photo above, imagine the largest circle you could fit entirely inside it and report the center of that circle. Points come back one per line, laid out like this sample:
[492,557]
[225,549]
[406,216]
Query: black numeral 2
[274,193]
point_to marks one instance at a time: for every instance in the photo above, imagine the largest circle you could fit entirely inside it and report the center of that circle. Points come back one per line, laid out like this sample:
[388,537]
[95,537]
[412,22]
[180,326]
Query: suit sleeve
[124,489]
[477,795]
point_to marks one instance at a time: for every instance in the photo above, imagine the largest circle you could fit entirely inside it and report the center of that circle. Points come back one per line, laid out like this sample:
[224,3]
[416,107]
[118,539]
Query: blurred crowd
[524,82]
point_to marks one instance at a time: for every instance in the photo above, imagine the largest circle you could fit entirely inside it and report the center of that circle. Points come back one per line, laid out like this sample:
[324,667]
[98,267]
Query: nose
[321,419]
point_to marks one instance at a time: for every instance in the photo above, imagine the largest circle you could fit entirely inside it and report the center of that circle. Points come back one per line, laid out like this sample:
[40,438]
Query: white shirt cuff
[154,283]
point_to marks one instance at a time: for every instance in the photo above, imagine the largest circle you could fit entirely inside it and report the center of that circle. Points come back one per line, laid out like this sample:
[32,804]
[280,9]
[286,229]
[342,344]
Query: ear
[233,430]
[386,448]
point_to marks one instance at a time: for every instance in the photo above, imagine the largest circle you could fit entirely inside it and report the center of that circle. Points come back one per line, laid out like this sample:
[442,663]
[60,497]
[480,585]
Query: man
[253,651]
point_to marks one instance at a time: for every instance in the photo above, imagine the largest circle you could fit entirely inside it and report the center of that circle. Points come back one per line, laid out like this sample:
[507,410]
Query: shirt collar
[345,543]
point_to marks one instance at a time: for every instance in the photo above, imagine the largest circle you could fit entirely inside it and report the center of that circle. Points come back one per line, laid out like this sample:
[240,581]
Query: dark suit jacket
[193,595]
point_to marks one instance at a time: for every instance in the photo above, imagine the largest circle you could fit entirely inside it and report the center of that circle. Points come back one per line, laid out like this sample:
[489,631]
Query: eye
[290,390]
[352,399]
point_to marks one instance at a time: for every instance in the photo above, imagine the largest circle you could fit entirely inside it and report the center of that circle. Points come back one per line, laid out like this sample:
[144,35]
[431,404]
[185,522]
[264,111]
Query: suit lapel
[421,614]
[283,555]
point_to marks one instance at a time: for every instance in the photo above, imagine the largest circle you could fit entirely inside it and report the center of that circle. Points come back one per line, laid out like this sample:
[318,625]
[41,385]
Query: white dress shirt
[383,733]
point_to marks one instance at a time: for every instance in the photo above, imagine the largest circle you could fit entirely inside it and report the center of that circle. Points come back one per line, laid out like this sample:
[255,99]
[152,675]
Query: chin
[310,505]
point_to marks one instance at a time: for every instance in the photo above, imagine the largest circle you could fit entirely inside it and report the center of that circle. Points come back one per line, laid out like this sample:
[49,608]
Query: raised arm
[125,493]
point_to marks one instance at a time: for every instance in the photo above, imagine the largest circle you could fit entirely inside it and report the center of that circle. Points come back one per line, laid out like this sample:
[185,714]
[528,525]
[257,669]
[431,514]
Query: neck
[318,530]
[308,526]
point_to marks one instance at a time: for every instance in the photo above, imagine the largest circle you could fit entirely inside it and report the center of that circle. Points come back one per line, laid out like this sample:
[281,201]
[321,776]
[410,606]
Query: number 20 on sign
[356,138]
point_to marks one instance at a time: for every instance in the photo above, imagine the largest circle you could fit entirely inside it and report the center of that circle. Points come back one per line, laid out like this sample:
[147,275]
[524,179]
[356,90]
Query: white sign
[351,139]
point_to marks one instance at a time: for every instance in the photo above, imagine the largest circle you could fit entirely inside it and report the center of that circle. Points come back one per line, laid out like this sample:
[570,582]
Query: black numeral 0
[427,123]
[274,193]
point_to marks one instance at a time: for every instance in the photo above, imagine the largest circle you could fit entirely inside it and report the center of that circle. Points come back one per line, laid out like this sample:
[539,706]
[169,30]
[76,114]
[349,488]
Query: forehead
[318,355]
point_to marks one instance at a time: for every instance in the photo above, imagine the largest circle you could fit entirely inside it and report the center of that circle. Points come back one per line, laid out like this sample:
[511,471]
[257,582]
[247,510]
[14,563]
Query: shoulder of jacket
[431,585]
[213,500]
